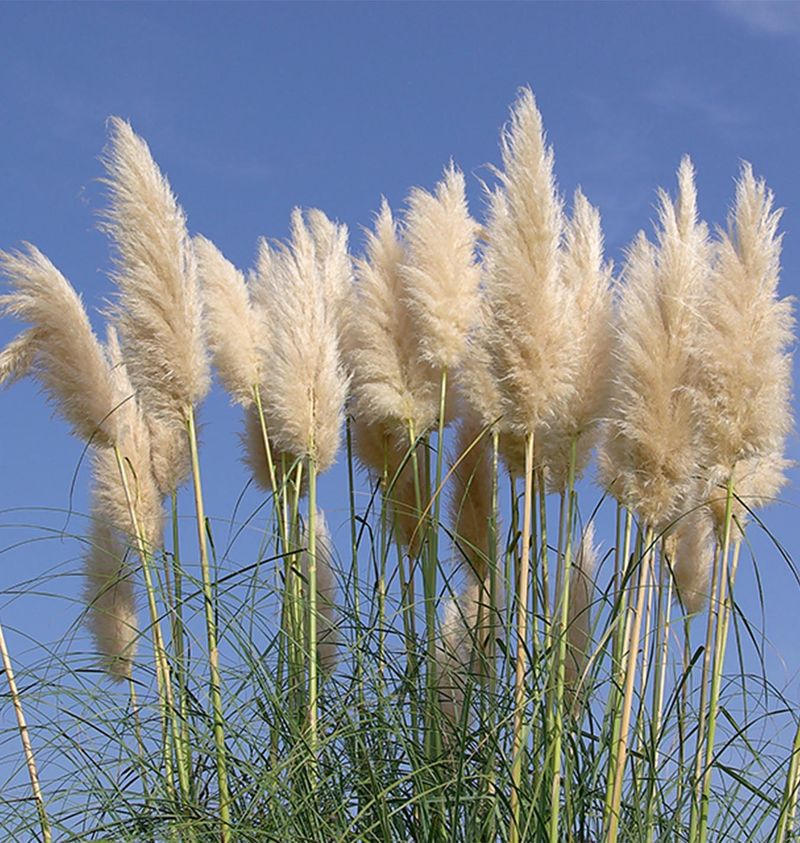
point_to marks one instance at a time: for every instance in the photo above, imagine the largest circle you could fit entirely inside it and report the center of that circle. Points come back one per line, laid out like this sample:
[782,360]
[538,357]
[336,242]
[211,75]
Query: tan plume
[17,358]
[650,459]
[158,310]
[231,324]
[529,343]
[588,281]
[440,272]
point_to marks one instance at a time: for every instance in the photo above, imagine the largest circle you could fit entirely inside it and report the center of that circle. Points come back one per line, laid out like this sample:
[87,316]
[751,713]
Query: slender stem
[27,749]
[790,793]
[726,582]
[520,662]
[630,681]
[562,632]
[163,683]
[211,630]
[313,679]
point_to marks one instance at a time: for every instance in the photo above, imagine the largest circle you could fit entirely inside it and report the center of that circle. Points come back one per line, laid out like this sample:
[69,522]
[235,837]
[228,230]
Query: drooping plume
[440,273]
[69,360]
[650,460]
[588,282]
[691,554]
[16,359]
[327,633]
[743,384]
[158,311]
[308,383]
[581,597]
[390,384]
[234,336]
[529,344]
[110,599]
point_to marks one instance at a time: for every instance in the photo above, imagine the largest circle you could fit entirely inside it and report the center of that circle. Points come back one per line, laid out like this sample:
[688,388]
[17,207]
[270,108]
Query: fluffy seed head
[110,599]
[327,634]
[390,384]
[69,360]
[651,454]
[308,385]
[231,324]
[743,376]
[691,552]
[530,344]
[588,282]
[440,274]
[580,603]
[158,311]
[17,358]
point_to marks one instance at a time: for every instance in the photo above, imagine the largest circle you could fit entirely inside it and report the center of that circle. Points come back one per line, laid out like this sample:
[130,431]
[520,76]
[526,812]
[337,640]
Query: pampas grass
[390,385]
[16,359]
[652,453]
[69,361]
[158,311]
[405,700]
[110,599]
[308,383]
[440,273]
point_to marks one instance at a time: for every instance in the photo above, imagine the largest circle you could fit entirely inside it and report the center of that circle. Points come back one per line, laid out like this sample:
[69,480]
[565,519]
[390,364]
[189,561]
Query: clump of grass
[508,667]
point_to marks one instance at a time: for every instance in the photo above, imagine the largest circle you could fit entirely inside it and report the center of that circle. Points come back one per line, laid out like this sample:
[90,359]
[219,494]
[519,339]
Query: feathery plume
[158,312]
[464,626]
[110,598]
[17,358]
[581,588]
[690,549]
[440,274]
[308,383]
[650,457]
[471,497]
[327,636]
[134,446]
[390,384]
[333,260]
[529,345]
[69,360]
[233,330]
[743,376]
[588,282]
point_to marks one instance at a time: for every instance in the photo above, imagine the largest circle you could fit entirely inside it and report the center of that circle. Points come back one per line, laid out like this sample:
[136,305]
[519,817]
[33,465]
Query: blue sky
[252,109]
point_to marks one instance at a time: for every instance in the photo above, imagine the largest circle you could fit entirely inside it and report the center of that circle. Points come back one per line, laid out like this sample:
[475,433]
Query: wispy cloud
[764,17]
[676,91]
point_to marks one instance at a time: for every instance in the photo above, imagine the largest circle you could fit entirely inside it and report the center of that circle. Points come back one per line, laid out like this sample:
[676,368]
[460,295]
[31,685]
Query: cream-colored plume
[158,311]
[333,259]
[581,597]
[69,360]
[744,369]
[690,549]
[134,446]
[234,334]
[440,273]
[308,384]
[327,633]
[530,341]
[756,483]
[650,459]
[390,385]
[17,358]
[110,599]
[588,282]
[471,497]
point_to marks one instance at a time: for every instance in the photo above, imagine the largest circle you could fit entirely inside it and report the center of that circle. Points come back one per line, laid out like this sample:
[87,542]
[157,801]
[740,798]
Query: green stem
[562,631]
[313,678]
[211,631]
[520,661]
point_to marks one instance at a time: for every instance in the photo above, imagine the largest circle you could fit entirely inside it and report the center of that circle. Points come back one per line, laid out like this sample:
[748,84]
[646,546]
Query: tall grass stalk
[520,661]
[211,632]
[30,761]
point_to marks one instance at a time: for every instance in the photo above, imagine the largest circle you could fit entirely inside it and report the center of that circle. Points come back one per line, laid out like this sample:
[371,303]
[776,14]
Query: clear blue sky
[252,109]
